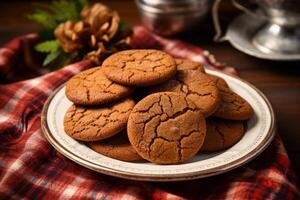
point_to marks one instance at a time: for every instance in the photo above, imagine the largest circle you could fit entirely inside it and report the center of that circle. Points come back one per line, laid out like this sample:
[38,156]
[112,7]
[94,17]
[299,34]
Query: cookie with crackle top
[233,106]
[220,83]
[91,87]
[166,128]
[222,134]
[185,64]
[196,86]
[117,147]
[97,123]
[139,67]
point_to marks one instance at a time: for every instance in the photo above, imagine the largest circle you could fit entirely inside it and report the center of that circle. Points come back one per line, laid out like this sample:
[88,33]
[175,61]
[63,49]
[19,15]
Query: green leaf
[63,60]
[47,46]
[65,10]
[44,19]
[52,56]
[47,34]
[123,26]
[51,15]
[80,4]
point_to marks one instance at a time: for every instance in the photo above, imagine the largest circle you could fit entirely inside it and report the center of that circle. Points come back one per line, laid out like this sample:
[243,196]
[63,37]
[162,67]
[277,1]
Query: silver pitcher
[281,30]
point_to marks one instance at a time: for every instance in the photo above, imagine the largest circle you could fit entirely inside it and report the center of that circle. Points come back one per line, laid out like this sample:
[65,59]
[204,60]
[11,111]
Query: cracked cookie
[222,134]
[117,147]
[91,87]
[185,64]
[220,83]
[139,67]
[166,128]
[196,86]
[97,123]
[233,106]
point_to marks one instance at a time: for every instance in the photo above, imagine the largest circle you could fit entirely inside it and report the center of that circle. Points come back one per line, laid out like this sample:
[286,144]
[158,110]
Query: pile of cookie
[144,104]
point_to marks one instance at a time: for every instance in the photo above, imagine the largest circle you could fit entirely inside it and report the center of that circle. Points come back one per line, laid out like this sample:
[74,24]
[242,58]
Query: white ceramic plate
[258,136]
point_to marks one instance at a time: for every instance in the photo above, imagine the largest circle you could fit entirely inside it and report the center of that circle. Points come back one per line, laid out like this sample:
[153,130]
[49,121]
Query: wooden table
[279,81]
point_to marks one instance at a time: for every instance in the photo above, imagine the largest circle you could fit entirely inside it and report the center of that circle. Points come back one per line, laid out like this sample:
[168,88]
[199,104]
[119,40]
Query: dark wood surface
[279,81]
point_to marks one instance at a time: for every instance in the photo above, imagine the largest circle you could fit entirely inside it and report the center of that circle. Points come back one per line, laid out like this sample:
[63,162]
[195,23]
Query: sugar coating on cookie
[233,106]
[91,87]
[139,67]
[222,134]
[117,147]
[97,123]
[196,86]
[166,128]
[185,64]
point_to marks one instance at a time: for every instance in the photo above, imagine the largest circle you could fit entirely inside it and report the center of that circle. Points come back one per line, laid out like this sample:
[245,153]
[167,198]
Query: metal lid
[172,6]
[169,2]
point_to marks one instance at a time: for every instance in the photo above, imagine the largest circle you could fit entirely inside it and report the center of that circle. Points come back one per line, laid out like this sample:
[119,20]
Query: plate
[240,33]
[259,134]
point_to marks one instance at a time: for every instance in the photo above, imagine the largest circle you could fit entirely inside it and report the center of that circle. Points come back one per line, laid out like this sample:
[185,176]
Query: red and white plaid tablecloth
[30,168]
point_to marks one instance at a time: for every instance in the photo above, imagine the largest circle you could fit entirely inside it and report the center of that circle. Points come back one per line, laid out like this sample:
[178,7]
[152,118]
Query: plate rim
[169,177]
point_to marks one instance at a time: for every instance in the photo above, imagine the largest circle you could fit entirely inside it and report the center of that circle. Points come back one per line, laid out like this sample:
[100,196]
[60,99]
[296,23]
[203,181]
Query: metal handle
[219,36]
[216,21]
[243,8]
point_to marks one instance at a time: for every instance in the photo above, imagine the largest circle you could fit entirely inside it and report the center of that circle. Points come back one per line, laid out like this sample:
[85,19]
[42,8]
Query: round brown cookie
[117,147]
[139,67]
[196,86]
[233,106]
[97,123]
[91,87]
[222,134]
[221,83]
[166,128]
[184,64]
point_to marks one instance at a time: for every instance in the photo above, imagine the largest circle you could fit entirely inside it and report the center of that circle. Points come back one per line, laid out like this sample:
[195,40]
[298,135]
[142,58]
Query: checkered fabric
[30,168]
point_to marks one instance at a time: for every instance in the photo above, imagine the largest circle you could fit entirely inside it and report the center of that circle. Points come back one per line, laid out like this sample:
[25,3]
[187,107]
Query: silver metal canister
[169,17]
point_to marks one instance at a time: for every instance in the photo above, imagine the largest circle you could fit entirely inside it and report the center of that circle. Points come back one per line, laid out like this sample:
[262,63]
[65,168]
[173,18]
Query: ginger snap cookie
[166,128]
[117,147]
[196,86]
[221,83]
[222,134]
[233,106]
[139,67]
[185,64]
[91,87]
[97,123]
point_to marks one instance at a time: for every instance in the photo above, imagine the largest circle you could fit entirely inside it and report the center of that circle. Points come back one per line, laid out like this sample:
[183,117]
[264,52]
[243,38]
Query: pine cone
[121,41]
[97,36]
[72,36]
[102,21]
[97,56]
